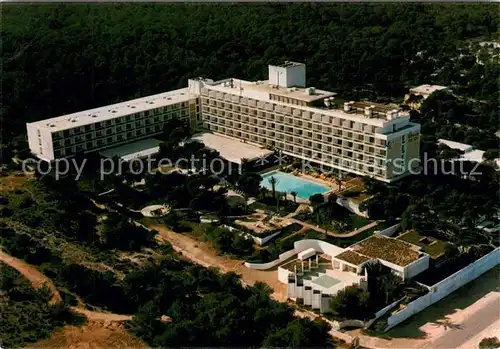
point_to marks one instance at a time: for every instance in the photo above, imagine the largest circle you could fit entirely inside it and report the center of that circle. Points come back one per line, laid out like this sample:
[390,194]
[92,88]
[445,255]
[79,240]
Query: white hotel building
[281,113]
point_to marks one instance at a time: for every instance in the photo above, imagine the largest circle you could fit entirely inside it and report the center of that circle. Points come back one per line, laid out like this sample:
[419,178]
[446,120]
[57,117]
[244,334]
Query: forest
[59,59]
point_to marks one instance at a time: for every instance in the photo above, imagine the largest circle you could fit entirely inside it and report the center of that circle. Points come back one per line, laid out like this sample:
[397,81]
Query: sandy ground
[201,253]
[94,335]
[13,181]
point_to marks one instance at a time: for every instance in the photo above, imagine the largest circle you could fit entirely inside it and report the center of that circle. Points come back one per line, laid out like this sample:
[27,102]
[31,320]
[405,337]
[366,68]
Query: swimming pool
[288,183]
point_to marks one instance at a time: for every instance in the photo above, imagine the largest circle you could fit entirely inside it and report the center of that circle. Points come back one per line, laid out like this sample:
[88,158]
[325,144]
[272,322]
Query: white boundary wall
[299,246]
[447,286]
[390,231]
[351,206]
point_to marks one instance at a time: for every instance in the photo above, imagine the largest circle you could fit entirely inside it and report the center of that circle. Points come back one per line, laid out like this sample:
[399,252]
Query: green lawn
[293,228]
[434,247]
[358,221]
[352,220]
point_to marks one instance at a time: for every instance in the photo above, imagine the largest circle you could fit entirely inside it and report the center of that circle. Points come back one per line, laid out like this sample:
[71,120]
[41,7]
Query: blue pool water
[288,183]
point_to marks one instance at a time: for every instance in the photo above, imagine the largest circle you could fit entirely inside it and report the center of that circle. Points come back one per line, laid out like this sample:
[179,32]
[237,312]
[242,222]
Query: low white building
[404,259]
[418,94]
[426,90]
[469,153]
[321,269]
[455,145]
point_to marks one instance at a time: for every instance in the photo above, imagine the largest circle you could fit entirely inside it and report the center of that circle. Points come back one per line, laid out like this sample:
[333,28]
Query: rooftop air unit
[310,91]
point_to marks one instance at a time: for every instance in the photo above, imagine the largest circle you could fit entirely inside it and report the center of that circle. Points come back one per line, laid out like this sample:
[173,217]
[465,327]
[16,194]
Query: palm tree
[294,194]
[245,197]
[273,181]
[339,181]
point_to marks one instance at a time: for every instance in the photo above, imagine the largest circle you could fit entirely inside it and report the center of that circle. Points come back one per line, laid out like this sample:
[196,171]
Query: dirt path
[32,274]
[201,253]
[102,330]
[38,279]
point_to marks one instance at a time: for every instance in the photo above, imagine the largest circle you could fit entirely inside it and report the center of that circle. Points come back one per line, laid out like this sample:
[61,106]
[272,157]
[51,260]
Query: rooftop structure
[433,246]
[426,90]
[388,249]
[473,155]
[288,74]
[455,145]
[469,153]
[353,257]
[303,94]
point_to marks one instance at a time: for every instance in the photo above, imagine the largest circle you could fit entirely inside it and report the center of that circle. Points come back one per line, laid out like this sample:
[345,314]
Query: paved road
[461,332]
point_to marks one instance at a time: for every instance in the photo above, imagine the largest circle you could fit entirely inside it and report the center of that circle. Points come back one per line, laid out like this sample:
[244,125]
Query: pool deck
[332,186]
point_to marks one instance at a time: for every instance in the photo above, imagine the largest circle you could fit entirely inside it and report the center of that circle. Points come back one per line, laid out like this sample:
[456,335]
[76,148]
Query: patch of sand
[93,335]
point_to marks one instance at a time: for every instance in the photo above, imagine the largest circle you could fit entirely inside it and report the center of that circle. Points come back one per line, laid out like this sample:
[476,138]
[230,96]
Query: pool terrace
[287,183]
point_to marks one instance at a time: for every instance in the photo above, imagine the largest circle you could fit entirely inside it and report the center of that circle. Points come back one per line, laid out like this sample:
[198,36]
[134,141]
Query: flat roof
[113,111]
[299,93]
[430,245]
[288,64]
[455,145]
[232,149]
[473,155]
[376,107]
[427,89]
[388,249]
[135,150]
[352,257]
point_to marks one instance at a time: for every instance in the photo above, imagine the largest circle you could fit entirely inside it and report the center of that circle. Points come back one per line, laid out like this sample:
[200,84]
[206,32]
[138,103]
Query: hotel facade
[280,113]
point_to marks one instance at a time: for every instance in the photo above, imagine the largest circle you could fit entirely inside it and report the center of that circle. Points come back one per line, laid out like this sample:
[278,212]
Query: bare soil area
[94,335]
[201,253]
[14,181]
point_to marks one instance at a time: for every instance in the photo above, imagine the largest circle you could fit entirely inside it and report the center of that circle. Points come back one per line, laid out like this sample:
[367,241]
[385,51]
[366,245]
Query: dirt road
[32,274]
[201,253]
